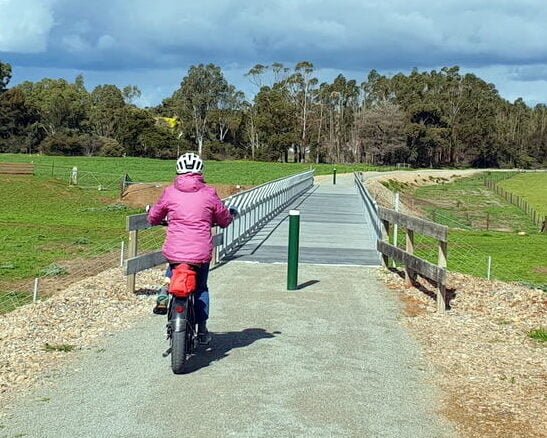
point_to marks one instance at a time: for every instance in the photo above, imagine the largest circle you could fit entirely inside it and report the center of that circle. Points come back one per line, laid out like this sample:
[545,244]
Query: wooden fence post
[441,296]
[409,274]
[132,252]
[385,236]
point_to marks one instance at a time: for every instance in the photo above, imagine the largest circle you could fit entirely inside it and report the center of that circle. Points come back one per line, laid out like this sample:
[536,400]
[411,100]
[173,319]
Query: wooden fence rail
[413,264]
[136,263]
[17,168]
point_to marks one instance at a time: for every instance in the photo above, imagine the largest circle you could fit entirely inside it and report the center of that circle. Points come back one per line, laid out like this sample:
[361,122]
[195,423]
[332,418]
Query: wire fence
[256,206]
[56,276]
[80,178]
[536,217]
[474,247]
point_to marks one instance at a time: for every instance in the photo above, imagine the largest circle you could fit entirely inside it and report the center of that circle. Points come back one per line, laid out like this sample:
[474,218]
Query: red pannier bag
[184,281]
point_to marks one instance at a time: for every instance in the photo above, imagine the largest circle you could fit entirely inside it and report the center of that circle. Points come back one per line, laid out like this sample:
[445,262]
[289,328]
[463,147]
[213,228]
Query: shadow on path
[222,344]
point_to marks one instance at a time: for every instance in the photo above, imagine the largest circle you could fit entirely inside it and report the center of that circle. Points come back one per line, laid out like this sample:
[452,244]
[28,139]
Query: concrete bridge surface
[328,360]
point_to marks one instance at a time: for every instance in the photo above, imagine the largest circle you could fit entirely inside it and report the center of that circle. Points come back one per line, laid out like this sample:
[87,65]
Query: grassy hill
[484,225]
[532,187]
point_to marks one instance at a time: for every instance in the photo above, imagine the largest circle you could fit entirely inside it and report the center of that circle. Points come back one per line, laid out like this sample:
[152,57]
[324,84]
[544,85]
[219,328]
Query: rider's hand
[233,211]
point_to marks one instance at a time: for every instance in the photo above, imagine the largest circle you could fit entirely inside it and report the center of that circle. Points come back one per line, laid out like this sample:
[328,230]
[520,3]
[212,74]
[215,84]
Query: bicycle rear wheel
[182,341]
[178,351]
[178,324]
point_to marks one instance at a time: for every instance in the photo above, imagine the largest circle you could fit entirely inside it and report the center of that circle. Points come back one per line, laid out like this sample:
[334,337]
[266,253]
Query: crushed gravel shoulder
[330,359]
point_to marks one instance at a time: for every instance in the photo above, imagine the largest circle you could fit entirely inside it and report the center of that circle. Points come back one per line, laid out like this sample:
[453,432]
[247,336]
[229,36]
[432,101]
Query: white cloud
[147,42]
[106,42]
[343,31]
[25,25]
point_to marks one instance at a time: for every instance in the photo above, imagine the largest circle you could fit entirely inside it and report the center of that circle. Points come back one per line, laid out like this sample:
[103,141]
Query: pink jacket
[192,208]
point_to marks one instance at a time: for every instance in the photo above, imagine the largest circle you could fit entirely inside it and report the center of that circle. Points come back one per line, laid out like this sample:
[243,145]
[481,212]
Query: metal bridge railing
[370,203]
[257,206]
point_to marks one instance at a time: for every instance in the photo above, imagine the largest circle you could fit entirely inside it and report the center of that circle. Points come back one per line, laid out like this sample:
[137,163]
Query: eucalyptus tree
[266,79]
[303,90]
[227,116]
[199,95]
[16,121]
[381,134]
[276,123]
[62,105]
[5,76]
[107,104]
[130,93]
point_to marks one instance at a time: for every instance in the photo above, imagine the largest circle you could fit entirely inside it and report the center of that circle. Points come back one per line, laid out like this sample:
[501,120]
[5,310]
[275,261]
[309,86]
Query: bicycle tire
[178,351]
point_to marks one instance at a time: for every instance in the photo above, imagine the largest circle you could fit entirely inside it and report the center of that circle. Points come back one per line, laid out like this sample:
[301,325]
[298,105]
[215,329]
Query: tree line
[425,118]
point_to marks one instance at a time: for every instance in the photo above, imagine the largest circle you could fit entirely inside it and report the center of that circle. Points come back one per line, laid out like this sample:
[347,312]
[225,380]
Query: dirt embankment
[142,194]
[376,184]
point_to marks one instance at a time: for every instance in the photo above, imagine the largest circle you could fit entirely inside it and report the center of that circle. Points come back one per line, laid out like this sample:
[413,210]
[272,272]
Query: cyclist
[191,208]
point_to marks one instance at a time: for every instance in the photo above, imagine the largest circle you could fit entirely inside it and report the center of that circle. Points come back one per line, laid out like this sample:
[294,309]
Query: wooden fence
[518,201]
[413,264]
[136,263]
[17,168]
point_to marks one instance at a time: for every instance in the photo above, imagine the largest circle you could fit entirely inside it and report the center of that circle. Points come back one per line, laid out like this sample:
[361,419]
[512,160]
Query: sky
[152,44]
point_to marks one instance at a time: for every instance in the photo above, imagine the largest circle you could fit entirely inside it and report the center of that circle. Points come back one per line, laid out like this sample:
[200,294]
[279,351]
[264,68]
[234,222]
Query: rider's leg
[201,304]
[163,298]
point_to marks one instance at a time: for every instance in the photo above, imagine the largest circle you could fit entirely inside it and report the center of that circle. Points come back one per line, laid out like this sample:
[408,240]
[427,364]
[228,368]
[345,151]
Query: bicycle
[181,331]
[181,327]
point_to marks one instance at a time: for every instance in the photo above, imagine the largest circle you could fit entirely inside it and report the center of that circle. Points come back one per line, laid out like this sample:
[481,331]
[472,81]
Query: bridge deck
[334,229]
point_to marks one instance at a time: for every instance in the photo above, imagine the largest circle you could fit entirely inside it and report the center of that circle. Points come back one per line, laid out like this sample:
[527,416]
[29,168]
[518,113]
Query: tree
[107,104]
[16,120]
[130,93]
[226,117]
[303,90]
[5,76]
[276,123]
[62,105]
[381,130]
[200,93]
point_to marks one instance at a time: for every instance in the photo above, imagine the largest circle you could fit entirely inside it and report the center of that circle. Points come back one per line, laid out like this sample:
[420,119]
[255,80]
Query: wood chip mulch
[37,339]
[493,374]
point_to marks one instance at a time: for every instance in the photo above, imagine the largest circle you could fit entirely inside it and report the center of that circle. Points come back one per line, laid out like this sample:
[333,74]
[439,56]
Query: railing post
[385,236]
[122,251]
[442,263]
[395,226]
[36,290]
[409,275]
[215,248]
[132,252]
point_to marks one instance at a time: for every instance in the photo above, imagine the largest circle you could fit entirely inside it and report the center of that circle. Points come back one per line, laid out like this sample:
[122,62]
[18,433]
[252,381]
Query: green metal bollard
[294,238]
[334,175]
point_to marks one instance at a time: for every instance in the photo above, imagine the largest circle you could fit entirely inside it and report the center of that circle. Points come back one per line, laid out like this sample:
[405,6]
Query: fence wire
[464,254]
[256,206]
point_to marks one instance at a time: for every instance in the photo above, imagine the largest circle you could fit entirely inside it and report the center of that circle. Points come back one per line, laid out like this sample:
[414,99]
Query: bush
[110,147]
[63,144]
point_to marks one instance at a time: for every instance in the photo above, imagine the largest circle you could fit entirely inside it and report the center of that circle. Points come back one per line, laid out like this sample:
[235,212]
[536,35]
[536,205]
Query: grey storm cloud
[152,43]
[117,34]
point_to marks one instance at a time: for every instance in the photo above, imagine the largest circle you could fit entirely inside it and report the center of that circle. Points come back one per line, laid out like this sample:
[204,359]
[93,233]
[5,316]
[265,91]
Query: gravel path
[328,360]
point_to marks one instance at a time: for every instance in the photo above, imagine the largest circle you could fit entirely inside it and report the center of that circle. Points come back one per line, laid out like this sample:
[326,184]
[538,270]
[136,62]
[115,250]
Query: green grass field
[532,187]
[464,206]
[44,220]
[154,170]
[469,204]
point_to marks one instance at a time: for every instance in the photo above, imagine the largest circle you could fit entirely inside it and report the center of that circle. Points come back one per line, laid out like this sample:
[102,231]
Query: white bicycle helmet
[189,163]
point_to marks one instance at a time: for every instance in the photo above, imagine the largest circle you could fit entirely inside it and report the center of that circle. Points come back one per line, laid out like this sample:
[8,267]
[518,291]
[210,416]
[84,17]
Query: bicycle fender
[179,319]
[179,323]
